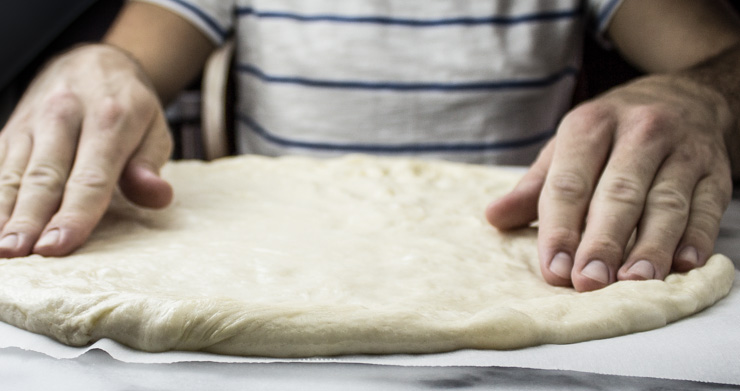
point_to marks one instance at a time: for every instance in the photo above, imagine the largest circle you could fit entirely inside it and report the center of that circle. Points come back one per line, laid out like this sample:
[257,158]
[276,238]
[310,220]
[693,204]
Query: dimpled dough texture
[296,257]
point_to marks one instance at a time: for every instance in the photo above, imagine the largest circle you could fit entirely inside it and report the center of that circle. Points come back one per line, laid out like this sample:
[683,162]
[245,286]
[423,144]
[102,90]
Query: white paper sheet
[704,347]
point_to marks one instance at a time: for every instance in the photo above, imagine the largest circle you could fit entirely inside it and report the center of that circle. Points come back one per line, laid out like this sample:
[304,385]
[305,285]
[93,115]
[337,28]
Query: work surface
[696,349]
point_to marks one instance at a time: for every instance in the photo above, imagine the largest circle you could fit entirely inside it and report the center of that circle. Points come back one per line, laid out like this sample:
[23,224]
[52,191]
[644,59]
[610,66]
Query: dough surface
[293,257]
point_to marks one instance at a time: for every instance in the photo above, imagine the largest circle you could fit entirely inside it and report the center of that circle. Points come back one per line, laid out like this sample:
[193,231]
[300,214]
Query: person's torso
[464,80]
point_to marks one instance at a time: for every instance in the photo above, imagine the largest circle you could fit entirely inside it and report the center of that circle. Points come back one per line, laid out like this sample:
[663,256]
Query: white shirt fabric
[463,80]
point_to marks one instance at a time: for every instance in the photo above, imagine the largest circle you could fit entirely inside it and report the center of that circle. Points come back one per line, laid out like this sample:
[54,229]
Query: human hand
[88,121]
[648,158]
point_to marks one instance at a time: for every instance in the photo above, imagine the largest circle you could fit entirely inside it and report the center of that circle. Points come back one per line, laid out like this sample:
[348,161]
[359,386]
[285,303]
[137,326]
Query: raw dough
[299,257]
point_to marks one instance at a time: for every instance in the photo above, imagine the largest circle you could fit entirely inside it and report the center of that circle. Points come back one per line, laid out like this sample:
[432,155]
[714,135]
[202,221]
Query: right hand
[88,121]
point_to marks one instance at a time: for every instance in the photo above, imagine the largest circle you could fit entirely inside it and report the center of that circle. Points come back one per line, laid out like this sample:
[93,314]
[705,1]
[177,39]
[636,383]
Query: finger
[711,197]
[40,192]
[14,161]
[580,152]
[618,203]
[109,136]
[519,207]
[140,181]
[663,221]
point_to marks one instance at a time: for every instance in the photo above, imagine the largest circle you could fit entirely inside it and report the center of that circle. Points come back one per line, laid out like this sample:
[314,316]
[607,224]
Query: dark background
[33,30]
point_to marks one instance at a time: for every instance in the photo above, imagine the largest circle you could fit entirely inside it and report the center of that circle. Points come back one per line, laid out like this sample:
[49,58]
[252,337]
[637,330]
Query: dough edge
[236,329]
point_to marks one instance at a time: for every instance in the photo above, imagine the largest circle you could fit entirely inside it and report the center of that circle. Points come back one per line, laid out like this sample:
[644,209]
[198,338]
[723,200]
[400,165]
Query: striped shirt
[463,80]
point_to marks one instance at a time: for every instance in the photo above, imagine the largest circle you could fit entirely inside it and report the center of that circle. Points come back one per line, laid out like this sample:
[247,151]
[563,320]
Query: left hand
[647,158]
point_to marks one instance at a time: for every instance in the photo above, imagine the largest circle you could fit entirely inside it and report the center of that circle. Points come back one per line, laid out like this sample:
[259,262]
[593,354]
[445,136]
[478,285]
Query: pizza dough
[296,257]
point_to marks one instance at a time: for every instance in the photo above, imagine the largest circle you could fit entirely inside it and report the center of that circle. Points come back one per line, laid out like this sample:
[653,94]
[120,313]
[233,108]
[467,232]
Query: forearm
[668,35]
[169,49]
[693,50]
[721,75]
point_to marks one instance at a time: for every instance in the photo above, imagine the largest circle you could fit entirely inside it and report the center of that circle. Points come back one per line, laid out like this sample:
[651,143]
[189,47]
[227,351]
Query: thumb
[518,208]
[140,181]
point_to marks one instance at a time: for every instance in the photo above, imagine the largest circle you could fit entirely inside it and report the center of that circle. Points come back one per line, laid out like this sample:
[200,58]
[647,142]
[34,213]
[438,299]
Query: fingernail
[49,239]
[9,242]
[690,255]
[561,265]
[643,269]
[597,271]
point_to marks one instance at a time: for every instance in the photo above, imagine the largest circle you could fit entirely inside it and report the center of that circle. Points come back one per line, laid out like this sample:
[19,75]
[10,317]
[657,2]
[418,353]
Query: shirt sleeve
[600,13]
[214,17]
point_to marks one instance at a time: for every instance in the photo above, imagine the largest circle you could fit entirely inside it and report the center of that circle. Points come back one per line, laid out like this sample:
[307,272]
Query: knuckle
[46,176]
[91,178]
[590,113]
[74,221]
[606,245]
[668,199]
[662,255]
[690,153]
[568,186]
[651,124]
[624,190]
[658,256]
[589,121]
[63,105]
[703,239]
[24,224]
[11,178]
[707,211]
[699,154]
[653,117]
[670,231]
[562,237]
[111,113]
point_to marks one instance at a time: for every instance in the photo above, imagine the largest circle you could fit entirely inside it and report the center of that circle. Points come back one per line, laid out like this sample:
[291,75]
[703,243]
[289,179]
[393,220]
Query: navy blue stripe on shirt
[484,20]
[207,19]
[460,147]
[409,86]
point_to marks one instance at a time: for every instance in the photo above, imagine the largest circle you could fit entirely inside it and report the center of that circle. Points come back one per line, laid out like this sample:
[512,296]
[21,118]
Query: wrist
[106,59]
[721,75]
